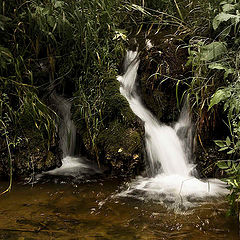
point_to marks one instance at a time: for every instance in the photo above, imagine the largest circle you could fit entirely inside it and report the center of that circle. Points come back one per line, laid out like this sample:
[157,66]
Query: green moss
[116,105]
[119,139]
[49,159]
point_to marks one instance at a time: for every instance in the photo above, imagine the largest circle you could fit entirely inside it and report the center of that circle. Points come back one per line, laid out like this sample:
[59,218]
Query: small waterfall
[75,166]
[163,146]
[67,129]
[169,149]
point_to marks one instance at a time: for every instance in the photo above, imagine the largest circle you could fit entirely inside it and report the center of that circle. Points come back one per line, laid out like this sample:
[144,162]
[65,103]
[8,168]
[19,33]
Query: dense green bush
[215,85]
[70,47]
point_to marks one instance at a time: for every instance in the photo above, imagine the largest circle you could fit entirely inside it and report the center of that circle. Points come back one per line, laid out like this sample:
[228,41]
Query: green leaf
[213,50]
[140,8]
[218,66]
[228,71]
[226,31]
[228,141]
[224,164]
[228,7]
[222,17]
[231,151]
[59,4]
[223,2]
[51,20]
[223,149]
[220,143]
[217,97]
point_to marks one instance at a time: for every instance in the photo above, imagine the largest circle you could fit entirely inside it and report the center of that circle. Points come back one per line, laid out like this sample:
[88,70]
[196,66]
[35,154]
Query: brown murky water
[89,211]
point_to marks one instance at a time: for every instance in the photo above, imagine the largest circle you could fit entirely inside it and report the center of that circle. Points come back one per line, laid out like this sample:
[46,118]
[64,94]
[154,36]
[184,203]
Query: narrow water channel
[91,210]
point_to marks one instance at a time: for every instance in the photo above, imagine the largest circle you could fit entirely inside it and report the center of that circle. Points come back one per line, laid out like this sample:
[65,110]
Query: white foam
[73,166]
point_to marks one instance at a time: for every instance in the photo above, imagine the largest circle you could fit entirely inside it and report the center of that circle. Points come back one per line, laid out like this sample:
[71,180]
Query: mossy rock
[121,147]
[30,156]
[116,106]
[118,142]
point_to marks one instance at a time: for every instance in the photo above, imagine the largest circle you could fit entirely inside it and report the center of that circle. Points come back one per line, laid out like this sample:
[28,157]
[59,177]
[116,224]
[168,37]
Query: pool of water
[93,210]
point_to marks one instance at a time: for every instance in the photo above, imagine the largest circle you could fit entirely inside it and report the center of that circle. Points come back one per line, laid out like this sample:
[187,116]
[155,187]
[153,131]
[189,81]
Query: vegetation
[75,48]
[215,86]
[70,47]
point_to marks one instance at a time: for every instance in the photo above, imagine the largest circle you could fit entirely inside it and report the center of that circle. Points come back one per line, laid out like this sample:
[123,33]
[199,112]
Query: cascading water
[78,167]
[67,129]
[168,150]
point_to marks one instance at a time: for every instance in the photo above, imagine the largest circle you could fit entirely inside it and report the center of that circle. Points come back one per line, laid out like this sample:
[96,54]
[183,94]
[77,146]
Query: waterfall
[168,148]
[163,146]
[75,166]
[67,129]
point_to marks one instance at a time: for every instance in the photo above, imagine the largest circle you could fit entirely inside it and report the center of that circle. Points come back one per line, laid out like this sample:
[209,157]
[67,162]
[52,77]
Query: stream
[63,209]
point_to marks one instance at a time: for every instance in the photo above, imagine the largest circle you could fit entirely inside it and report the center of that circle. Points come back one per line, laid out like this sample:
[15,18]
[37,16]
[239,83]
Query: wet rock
[159,72]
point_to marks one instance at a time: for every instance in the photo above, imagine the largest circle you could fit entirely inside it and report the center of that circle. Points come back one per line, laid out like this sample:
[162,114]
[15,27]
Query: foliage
[232,169]
[71,47]
[215,85]
[230,97]
[228,18]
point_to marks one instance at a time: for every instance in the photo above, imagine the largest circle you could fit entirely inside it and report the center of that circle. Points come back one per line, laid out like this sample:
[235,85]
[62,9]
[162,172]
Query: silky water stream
[170,204]
[171,178]
[73,165]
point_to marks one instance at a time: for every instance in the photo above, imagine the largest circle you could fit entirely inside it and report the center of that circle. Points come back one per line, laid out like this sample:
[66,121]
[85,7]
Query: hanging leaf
[217,97]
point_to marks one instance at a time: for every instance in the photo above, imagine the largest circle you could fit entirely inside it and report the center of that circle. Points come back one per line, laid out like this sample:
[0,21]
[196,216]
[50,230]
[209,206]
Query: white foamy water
[75,167]
[168,149]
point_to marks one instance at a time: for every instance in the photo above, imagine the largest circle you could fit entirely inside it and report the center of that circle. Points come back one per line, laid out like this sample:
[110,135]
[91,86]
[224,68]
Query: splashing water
[77,167]
[168,149]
